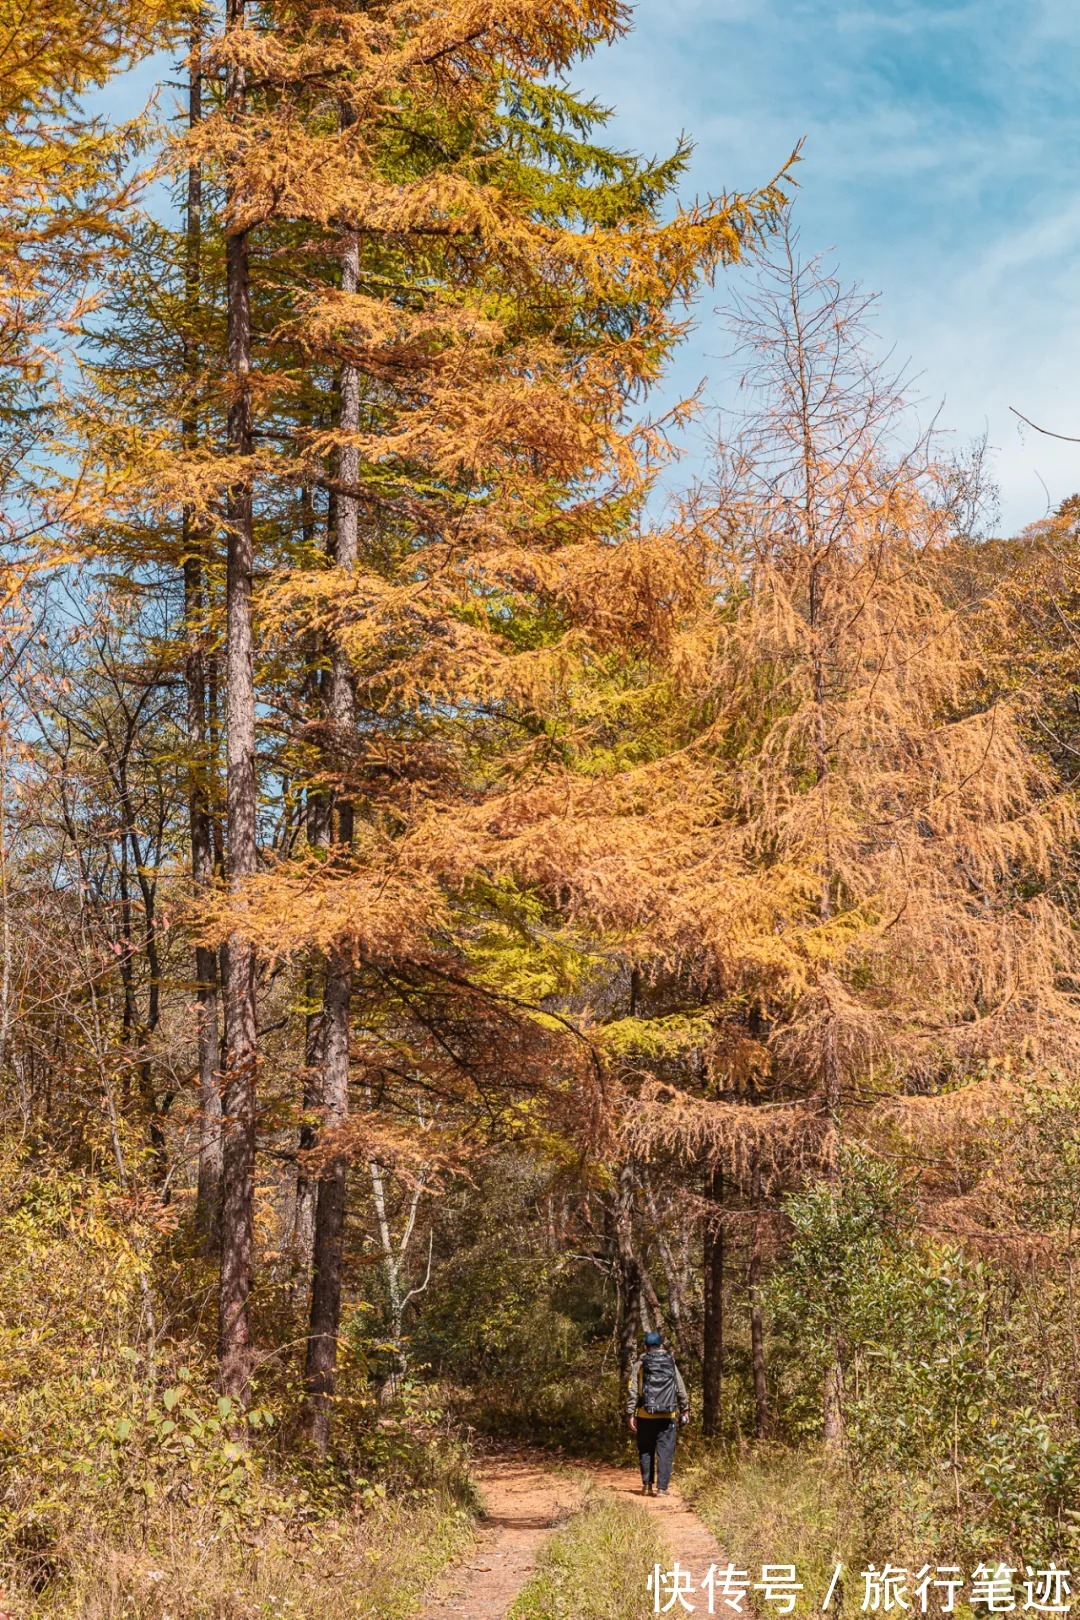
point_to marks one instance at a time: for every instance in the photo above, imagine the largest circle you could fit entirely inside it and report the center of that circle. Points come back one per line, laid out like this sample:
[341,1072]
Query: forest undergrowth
[130,1487]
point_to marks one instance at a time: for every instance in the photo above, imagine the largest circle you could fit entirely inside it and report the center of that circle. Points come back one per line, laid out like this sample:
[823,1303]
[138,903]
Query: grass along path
[687,1537]
[524,1500]
[596,1565]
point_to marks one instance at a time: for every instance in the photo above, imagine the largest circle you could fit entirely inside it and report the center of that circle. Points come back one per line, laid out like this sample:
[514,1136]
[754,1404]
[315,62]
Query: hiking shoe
[663,1492]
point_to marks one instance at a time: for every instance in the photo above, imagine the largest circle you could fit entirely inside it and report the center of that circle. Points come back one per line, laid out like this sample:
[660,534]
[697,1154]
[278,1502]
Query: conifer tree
[441,294]
[62,184]
[884,764]
[241,1012]
[839,864]
[640,854]
[199,652]
[66,187]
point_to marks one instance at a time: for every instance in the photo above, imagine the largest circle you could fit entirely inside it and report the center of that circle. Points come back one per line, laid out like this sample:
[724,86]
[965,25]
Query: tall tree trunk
[652,1312]
[303,1230]
[712,1351]
[238,1200]
[330,1208]
[395,1254]
[208,1200]
[676,1294]
[629,1271]
[321,1362]
[757,1331]
[832,1427]
[832,1415]
[318,818]
[145,1028]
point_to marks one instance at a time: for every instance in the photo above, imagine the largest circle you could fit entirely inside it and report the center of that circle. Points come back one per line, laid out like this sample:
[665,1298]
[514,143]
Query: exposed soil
[525,1498]
[691,1543]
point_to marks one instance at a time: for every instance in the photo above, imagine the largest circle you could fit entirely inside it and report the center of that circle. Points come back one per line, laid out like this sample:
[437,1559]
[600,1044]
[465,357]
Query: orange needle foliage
[60,172]
[513,289]
[518,287]
[833,827]
[878,896]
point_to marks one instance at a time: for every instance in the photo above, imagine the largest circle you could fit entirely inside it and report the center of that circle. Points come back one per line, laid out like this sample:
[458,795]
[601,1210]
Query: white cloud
[942,165]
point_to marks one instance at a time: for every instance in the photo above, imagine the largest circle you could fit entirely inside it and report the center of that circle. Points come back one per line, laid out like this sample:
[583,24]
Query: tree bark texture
[629,1272]
[329,1235]
[832,1428]
[303,1227]
[208,1201]
[321,1362]
[208,1198]
[713,1347]
[675,1282]
[238,1196]
[757,1327]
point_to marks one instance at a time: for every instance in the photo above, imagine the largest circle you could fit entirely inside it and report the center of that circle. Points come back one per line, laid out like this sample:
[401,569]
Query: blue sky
[941,169]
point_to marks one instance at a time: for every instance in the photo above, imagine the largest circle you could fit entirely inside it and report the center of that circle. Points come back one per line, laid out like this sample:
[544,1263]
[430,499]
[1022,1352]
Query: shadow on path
[523,1501]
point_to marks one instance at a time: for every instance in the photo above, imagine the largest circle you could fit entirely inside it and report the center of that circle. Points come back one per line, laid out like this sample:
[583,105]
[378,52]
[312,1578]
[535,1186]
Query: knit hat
[653,1341]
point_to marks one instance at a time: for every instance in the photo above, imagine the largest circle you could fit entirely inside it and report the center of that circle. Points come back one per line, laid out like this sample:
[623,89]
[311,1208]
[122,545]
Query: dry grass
[595,1568]
[779,1507]
[376,1568]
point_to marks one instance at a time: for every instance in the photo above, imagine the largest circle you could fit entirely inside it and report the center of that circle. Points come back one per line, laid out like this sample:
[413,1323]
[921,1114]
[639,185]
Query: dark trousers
[656,1449]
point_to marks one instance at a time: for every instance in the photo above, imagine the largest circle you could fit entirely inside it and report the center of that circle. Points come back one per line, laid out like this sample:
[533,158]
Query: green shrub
[128,1487]
[945,1430]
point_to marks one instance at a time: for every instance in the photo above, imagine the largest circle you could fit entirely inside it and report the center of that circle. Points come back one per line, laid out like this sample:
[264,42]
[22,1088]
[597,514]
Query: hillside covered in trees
[471,893]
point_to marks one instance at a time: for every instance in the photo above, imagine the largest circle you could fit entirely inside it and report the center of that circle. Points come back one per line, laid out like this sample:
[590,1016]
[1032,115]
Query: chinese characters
[890,1589]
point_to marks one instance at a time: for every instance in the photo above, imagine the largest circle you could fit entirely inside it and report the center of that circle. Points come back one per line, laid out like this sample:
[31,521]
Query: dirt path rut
[690,1541]
[525,1499]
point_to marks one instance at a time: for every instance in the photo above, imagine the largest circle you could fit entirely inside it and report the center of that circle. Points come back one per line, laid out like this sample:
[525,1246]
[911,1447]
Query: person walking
[657,1405]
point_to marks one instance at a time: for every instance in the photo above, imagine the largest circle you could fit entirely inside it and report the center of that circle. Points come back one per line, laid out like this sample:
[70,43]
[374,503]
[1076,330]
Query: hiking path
[527,1496]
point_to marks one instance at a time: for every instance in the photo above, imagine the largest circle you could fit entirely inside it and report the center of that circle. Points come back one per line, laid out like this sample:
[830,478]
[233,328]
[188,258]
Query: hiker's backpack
[659,1392]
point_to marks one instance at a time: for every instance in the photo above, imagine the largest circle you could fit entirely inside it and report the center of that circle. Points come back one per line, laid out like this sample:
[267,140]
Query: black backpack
[659,1392]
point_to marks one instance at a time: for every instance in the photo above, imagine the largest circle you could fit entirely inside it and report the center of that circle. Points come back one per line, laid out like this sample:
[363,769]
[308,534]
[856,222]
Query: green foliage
[1046,1158]
[1030,1477]
[666,1037]
[520,950]
[836,1293]
[97,1416]
[518,1328]
[940,1402]
[128,1485]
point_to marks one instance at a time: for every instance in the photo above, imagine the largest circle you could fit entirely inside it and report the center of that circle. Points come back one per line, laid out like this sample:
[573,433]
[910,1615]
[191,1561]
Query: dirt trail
[691,1543]
[525,1498]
